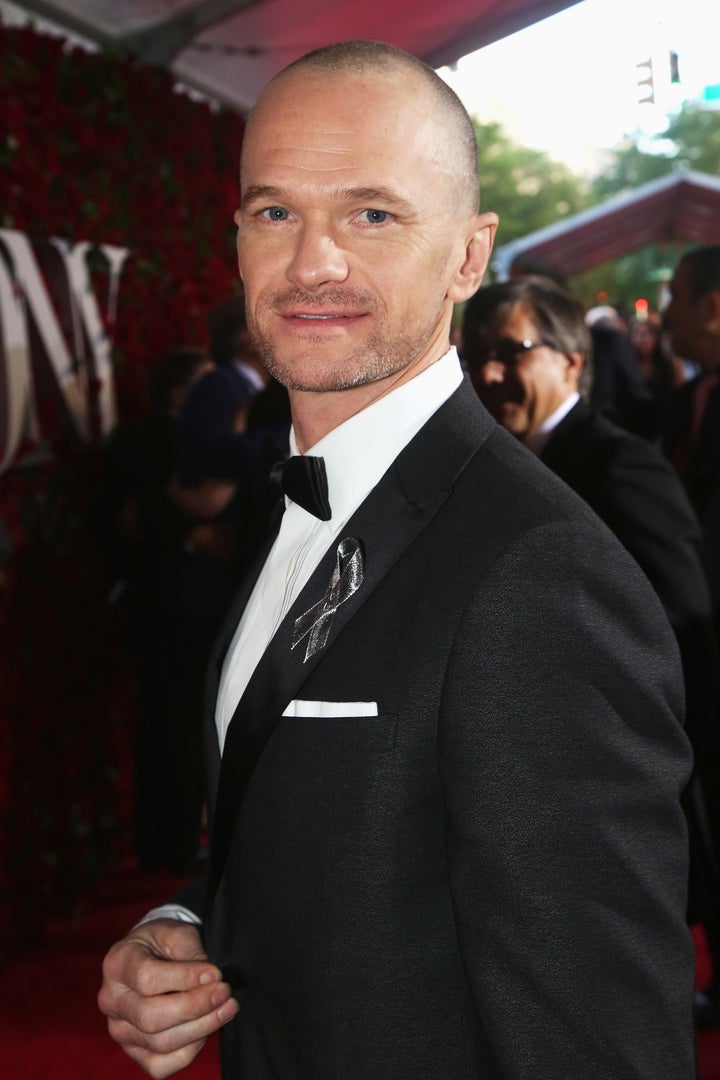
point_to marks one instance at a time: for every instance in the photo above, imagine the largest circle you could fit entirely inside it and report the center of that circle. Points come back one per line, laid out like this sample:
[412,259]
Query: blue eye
[276,213]
[375,217]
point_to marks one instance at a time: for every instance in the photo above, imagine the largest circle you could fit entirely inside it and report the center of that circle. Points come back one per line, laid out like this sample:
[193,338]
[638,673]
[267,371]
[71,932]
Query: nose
[492,371]
[317,259]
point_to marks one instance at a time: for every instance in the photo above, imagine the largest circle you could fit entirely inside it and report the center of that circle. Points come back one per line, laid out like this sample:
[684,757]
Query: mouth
[500,408]
[323,315]
[315,320]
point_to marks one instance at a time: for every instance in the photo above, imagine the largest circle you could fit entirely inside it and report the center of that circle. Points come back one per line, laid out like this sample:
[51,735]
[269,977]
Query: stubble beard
[374,360]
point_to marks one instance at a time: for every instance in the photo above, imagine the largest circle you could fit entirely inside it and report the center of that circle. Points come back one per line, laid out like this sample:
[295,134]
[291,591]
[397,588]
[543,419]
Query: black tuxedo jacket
[487,879]
[637,493]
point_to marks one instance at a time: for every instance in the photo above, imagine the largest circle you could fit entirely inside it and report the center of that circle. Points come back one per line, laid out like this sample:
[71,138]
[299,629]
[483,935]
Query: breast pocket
[338,733]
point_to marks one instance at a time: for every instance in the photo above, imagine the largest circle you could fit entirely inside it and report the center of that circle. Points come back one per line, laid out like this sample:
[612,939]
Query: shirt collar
[358,452]
[538,439]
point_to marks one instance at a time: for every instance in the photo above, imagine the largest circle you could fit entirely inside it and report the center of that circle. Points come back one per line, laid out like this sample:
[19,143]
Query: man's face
[682,317]
[347,236]
[525,388]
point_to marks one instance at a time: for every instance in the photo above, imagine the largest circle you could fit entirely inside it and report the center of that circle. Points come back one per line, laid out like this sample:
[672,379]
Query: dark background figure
[618,389]
[691,430]
[535,393]
[691,436]
[234,425]
[149,545]
[660,369]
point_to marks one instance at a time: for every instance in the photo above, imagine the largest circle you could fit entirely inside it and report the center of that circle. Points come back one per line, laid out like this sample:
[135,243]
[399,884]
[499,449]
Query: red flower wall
[93,148]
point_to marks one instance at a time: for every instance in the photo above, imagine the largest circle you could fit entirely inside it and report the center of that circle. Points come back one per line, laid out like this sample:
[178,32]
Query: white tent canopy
[229,49]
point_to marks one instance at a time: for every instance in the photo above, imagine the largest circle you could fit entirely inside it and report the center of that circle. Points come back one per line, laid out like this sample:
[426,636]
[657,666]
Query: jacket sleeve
[562,760]
[643,503]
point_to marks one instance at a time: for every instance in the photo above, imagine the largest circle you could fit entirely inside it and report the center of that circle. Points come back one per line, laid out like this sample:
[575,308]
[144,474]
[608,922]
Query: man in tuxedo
[445,738]
[529,355]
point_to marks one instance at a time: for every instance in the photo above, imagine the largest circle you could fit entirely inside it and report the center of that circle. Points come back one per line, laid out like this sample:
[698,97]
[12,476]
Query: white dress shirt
[356,454]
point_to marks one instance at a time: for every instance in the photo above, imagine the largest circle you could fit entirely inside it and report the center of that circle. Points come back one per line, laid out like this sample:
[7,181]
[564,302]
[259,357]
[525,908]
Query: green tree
[691,140]
[629,167]
[695,131]
[525,187]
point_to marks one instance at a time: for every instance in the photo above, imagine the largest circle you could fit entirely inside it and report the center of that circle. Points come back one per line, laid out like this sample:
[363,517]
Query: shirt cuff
[171,911]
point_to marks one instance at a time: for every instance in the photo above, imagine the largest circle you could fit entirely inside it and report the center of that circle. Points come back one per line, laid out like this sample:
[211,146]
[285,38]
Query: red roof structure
[683,207]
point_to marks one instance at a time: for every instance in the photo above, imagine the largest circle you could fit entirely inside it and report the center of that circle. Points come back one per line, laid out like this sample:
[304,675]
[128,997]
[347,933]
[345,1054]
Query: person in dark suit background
[234,423]
[691,440]
[213,439]
[661,370]
[536,393]
[691,430]
[618,389]
[445,753]
[529,355]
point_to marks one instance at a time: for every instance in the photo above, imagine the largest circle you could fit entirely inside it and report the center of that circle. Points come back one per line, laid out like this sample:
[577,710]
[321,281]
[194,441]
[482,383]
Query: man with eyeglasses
[528,353]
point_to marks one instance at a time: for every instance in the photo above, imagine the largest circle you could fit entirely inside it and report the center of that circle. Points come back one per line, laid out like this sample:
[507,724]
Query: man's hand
[162,997]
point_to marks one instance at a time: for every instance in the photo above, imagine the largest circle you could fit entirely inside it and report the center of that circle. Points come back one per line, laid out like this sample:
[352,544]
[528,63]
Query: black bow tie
[304,481]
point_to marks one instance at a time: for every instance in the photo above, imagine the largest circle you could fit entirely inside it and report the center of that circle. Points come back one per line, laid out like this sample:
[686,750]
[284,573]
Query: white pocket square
[331,708]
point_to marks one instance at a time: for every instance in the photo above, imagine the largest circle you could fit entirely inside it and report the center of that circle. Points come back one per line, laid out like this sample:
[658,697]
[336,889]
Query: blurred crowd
[183,504]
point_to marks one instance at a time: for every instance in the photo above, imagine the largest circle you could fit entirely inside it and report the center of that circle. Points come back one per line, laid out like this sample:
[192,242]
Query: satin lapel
[395,512]
[220,648]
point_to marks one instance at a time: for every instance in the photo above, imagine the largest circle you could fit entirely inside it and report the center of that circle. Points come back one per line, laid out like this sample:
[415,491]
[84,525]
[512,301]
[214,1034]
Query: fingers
[140,969]
[159,1013]
[162,1050]
[160,1066]
[140,961]
[162,997]
[147,1025]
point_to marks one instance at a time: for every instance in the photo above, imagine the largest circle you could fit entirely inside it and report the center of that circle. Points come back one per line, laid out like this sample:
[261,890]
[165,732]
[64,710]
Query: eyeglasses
[507,351]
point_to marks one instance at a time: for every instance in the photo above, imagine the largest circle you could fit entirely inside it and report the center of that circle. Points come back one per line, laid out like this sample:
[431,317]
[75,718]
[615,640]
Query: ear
[478,245]
[575,365]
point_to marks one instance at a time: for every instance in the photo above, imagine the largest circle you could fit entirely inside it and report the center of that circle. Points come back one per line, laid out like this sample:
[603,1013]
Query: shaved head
[455,132]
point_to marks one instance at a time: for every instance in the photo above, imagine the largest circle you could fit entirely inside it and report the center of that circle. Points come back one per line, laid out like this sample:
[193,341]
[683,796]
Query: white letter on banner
[85,304]
[39,305]
[17,400]
[70,373]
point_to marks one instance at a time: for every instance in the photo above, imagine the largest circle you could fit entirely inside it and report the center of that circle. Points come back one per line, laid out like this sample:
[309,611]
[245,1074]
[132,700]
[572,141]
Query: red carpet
[50,1027]
[709,1041]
